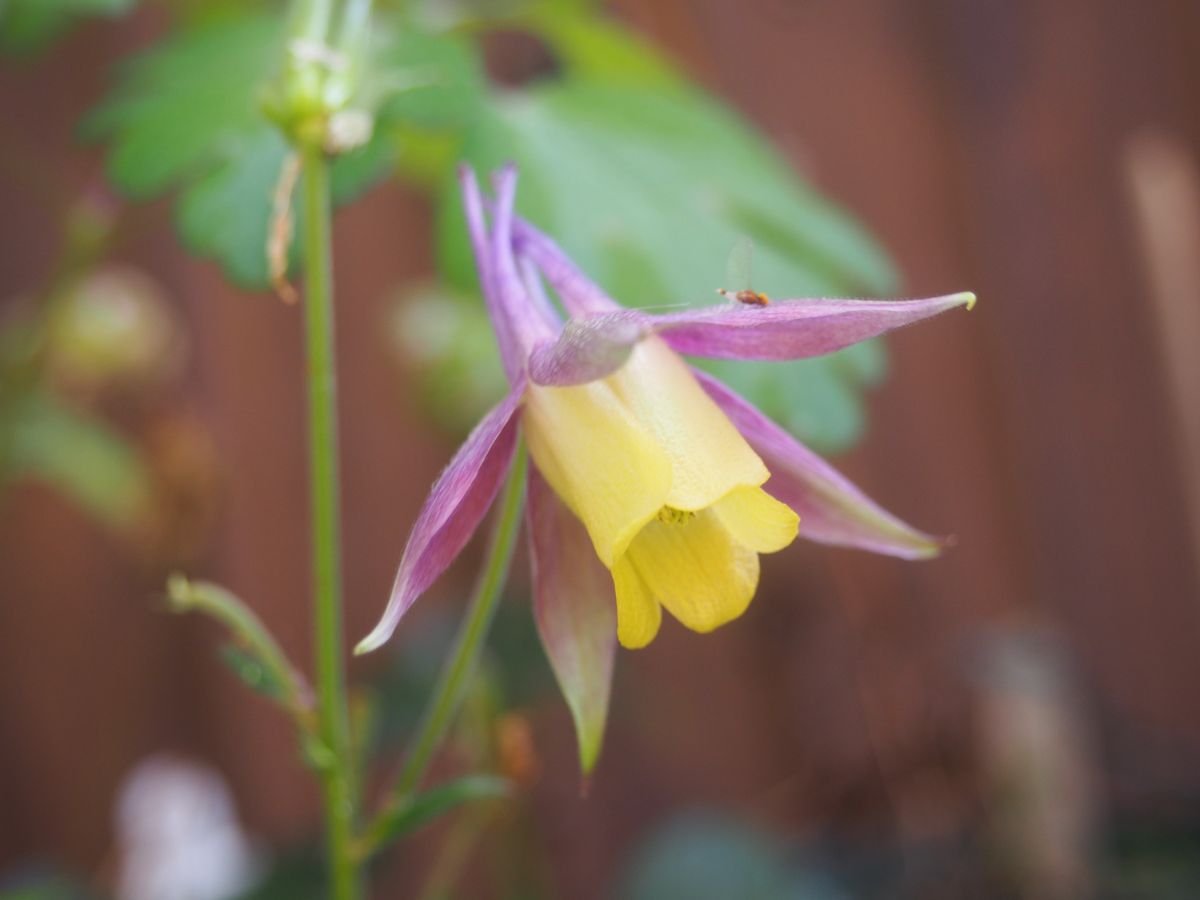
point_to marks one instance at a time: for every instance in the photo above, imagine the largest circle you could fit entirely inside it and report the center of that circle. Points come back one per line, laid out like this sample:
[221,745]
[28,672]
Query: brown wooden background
[1043,154]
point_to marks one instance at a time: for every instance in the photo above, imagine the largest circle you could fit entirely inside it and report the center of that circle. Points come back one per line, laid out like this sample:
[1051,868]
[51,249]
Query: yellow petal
[757,520]
[605,466]
[696,569]
[709,457]
[638,613]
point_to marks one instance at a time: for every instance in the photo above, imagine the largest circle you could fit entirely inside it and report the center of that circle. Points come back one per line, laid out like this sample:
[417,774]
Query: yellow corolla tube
[669,491]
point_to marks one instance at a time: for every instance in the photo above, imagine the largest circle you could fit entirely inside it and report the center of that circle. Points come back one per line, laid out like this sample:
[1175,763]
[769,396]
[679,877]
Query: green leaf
[82,457]
[27,26]
[188,114]
[438,801]
[428,80]
[254,673]
[226,214]
[649,190]
[188,103]
[590,46]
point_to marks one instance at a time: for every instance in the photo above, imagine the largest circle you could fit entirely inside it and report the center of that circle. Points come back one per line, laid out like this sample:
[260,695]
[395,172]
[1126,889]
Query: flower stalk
[461,663]
[339,788]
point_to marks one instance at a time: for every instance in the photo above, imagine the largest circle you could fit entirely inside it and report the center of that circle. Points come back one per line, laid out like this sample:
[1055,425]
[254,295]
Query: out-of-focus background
[1017,718]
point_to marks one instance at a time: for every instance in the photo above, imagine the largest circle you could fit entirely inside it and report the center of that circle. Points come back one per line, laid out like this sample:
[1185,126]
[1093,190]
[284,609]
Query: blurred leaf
[425,89]
[438,801]
[648,190]
[709,857]
[590,46]
[1148,858]
[816,399]
[27,26]
[447,336]
[430,80]
[249,668]
[225,214]
[298,874]
[188,114]
[187,103]
[85,459]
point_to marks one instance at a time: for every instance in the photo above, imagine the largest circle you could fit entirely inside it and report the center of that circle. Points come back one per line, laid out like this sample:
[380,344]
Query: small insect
[737,275]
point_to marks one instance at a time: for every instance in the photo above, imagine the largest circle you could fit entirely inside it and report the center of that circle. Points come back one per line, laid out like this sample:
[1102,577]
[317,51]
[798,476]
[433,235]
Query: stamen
[669,515]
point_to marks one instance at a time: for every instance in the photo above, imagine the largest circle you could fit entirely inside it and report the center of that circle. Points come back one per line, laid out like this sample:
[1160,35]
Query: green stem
[452,683]
[332,713]
[312,20]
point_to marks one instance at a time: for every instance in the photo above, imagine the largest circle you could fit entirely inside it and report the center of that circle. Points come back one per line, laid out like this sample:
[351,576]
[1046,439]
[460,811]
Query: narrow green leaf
[249,667]
[424,808]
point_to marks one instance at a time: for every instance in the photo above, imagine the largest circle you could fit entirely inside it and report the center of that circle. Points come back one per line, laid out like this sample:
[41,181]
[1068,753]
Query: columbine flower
[654,485]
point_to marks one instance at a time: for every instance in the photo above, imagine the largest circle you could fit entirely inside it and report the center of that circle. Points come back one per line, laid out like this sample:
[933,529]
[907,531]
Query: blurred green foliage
[87,460]
[189,114]
[91,332]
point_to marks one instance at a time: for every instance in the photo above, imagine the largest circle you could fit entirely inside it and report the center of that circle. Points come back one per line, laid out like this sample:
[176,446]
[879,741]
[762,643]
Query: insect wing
[738,270]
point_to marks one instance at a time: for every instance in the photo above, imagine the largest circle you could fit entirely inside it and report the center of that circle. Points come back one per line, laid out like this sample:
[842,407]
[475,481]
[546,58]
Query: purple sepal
[457,503]
[519,323]
[594,346]
[783,329]
[793,329]
[581,296]
[831,509]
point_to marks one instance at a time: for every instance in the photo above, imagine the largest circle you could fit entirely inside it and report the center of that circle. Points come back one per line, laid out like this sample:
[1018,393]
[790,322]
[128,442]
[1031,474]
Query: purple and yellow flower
[653,484]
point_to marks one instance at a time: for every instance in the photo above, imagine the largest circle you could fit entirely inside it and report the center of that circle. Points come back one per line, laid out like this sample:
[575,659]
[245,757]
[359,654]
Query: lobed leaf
[187,103]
